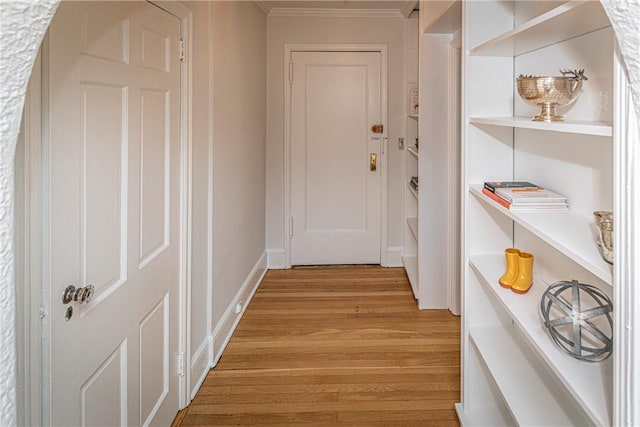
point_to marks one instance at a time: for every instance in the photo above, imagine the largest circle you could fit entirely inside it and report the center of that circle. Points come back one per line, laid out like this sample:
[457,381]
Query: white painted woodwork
[113,198]
[569,232]
[295,34]
[431,242]
[335,197]
[411,158]
[575,158]
[569,126]
[568,20]
[441,17]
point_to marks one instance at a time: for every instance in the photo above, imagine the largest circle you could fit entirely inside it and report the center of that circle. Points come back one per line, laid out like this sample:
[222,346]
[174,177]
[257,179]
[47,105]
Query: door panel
[154,174]
[335,197]
[114,198]
[103,180]
[104,395]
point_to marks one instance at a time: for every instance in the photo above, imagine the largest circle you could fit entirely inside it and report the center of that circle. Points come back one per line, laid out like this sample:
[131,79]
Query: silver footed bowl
[604,234]
[551,92]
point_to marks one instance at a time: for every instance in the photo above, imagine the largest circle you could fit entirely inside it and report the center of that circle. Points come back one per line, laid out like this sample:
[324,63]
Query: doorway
[113,226]
[335,145]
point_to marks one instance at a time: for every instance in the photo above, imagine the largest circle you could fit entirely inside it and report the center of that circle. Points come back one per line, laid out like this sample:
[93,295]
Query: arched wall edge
[24,23]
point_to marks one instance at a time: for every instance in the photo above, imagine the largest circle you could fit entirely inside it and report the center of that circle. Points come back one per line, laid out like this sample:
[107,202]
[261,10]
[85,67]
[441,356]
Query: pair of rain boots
[519,274]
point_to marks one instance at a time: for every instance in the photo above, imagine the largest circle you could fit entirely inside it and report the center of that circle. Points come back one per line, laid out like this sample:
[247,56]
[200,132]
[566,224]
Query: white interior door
[335,192]
[113,198]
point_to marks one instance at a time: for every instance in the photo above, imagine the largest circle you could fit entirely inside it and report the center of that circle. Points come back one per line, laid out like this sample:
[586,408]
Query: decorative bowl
[604,222]
[550,92]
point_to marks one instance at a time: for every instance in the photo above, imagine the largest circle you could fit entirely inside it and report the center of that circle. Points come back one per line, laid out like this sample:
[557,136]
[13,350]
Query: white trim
[185,15]
[454,272]
[199,366]
[394,256]
[626,296]
[276,259]
[210,266]
[326,47]
[28,260]
[334,13]
[230,319]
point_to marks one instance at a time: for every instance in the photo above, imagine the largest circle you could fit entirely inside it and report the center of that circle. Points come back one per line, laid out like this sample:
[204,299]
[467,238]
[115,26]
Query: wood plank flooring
[335,346]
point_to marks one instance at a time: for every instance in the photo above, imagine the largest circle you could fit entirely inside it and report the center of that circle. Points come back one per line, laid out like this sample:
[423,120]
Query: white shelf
[587,382]
[412,222]
[413,116]
[571,19]
[412,191]
[510,370]
[569,232]
[480,417]
[569,126]
[414,152]
[411,267]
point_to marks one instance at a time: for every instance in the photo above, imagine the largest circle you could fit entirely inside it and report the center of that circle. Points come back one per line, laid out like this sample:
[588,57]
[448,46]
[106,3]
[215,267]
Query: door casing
[288,51]
[34,319]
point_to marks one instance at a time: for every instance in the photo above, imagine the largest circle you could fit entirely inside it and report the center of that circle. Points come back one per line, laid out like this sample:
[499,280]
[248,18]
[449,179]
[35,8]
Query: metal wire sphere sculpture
[574,330]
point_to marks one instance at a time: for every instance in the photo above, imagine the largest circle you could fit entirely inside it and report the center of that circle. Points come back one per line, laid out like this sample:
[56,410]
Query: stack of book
[414,182]
[524,196]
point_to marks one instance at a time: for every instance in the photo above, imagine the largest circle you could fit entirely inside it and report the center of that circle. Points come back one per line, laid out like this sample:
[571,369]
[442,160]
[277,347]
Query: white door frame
[185,15]
[289,49]
[35,376]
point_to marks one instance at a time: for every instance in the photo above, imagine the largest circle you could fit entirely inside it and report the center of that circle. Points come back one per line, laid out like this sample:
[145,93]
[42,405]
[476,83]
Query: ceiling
[382,8]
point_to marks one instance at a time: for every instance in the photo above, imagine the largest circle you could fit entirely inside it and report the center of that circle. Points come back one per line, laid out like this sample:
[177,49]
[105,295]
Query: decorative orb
[578,318]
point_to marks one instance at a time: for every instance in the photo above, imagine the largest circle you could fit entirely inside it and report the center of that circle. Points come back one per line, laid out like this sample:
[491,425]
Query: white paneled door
[335,158]
[113,201]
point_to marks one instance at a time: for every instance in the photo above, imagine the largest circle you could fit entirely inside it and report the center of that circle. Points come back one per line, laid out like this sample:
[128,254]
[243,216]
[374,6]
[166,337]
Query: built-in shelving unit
[511,368]
[578,377]
[411,158]
[429,214]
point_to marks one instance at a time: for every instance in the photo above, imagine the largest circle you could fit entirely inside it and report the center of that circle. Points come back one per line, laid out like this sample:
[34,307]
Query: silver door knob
[80,295]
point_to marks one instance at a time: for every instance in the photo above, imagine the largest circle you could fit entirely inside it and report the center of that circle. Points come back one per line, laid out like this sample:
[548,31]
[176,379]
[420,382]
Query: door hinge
[291,227]
[181,364]
[183,50]
[290,72]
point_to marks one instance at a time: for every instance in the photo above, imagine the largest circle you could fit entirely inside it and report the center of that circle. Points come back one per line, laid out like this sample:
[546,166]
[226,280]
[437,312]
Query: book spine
[496,198]
[489,187]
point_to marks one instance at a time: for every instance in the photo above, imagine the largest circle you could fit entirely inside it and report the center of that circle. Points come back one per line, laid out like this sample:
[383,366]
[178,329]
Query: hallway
[334,345]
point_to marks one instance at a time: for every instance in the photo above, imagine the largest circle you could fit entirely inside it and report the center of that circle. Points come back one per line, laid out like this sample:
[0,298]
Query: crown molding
[335,13]
[263,6]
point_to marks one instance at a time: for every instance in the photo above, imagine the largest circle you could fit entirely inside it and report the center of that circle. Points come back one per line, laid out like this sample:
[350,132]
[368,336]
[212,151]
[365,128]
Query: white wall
[239,126]
[287,30]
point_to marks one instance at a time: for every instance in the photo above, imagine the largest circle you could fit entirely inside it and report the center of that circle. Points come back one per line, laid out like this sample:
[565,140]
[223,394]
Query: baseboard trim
[394,256]
[276,259]
[229,321]
[200,365]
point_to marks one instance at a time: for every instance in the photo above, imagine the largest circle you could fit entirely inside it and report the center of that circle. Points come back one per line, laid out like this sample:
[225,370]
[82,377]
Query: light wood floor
[340,345]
